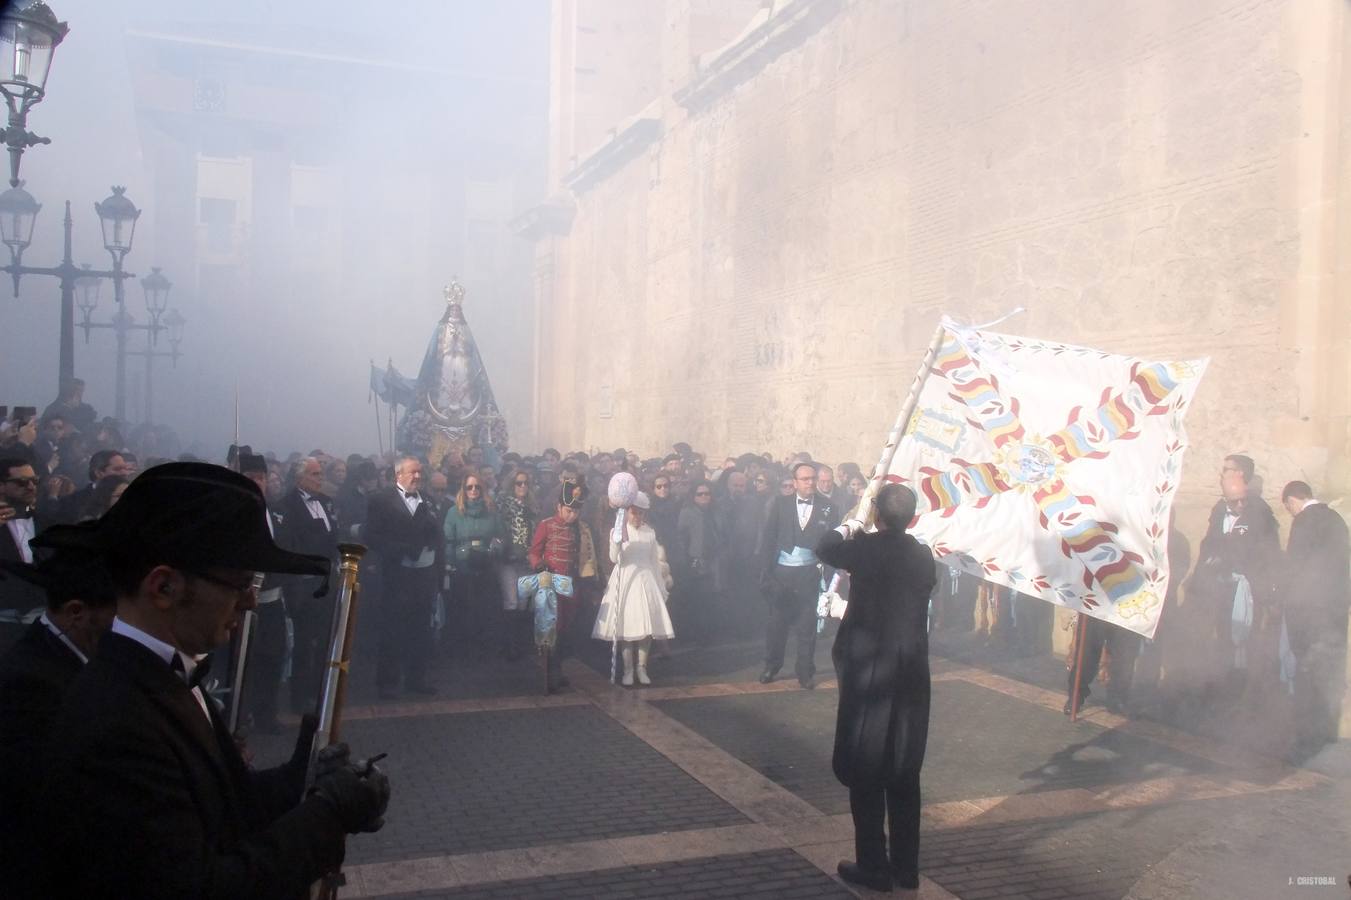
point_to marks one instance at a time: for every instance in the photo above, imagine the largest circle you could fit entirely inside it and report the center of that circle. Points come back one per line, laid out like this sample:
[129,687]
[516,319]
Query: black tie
[199,673]
[804,502]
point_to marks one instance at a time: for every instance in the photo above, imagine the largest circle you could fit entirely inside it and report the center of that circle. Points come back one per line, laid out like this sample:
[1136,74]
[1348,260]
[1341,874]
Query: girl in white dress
[634,607]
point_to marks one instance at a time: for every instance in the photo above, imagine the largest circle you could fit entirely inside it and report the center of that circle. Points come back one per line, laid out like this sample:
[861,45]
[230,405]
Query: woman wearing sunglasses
[474,544]
[516,508]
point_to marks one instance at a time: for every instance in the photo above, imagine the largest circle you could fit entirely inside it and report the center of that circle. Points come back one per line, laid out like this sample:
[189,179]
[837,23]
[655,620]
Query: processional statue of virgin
[451,407]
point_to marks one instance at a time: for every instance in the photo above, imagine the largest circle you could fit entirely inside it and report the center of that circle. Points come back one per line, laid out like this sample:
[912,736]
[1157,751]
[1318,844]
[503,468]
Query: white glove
[850,528]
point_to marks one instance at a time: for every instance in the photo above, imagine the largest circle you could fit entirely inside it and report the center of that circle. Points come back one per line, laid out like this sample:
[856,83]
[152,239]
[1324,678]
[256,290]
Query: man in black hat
[34,676]
[148,795]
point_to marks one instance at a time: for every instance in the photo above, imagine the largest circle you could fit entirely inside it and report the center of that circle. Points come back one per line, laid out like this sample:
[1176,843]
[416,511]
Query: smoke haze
[310,174]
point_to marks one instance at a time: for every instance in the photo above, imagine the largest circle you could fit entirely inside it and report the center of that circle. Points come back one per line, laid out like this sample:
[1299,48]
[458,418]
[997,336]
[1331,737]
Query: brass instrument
[333,694]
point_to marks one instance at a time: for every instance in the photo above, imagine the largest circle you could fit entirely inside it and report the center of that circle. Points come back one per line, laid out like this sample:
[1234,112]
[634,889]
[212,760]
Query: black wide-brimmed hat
[66,575]
[189,515]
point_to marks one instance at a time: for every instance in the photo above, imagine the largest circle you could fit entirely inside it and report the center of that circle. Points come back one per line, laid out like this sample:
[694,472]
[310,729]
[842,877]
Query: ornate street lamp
[156,288]
[174,321]
[118,215]
[29,35]
[18,213]
[88,286]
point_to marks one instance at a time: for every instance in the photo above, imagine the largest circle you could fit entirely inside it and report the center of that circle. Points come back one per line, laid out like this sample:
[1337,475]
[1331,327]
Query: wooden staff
[333,695]
[1079,635]
[864,510]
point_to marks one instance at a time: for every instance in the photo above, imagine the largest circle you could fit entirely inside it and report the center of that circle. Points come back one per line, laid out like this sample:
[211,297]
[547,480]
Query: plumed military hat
[189,515]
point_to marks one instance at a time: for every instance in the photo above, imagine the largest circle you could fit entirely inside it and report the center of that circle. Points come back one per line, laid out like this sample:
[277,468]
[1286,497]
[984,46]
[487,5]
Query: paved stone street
[709,784]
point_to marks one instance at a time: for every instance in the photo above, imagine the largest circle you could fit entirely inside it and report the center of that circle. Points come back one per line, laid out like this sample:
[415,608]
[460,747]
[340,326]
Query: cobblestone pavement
[709,784]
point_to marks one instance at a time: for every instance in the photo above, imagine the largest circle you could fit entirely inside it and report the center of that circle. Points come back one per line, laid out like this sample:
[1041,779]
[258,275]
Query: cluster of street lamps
[29,35]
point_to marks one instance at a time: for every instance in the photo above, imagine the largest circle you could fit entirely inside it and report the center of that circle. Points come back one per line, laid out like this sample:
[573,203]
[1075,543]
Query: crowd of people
[701,553]
[500,553]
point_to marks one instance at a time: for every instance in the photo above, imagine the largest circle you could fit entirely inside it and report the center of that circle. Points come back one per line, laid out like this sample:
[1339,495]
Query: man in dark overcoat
[35,674]
[881,657]
[1317,594]
[146,794]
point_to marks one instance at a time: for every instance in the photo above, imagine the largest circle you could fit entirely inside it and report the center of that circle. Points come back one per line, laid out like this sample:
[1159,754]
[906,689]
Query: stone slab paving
[981,744]
[758,876]
[515,778]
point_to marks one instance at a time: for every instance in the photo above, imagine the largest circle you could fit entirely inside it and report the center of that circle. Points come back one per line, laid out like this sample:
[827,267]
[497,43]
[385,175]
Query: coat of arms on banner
[1050,468]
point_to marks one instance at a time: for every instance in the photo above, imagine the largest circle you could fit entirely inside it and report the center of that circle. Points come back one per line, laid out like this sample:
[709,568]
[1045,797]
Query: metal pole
[67,357]
[149,381]
[864,508]
[121,396]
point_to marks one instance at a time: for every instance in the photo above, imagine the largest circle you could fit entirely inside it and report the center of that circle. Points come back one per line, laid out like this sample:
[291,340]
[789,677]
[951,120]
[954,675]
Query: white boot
[628,666]
[642,662]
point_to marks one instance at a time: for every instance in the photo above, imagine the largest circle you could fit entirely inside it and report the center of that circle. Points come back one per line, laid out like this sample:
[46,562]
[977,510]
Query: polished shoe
[905,880]
[767,676]
[1083,701]
[421,687]
[879,880]
[806,683]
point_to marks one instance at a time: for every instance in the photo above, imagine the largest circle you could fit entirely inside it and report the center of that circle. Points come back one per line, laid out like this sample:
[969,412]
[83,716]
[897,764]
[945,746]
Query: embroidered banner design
[1050,468]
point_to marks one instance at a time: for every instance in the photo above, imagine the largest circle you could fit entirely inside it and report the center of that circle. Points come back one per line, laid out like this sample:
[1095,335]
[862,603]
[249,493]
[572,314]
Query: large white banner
[1050,469]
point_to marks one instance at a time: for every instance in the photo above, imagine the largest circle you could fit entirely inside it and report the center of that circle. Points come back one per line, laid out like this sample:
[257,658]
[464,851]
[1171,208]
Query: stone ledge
[773,31]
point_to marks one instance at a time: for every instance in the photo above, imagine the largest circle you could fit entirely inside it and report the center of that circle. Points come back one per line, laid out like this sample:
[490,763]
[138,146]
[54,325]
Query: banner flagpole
[1080,634]
[865,503]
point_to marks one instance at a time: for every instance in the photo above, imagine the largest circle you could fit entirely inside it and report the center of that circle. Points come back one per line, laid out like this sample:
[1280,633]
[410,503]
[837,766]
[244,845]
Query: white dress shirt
[412,501]
[22,532]
[804,511]
[165,652]
[316,510]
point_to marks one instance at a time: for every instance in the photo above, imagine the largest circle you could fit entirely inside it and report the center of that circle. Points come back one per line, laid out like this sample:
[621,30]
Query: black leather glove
[358,795]
[331,758]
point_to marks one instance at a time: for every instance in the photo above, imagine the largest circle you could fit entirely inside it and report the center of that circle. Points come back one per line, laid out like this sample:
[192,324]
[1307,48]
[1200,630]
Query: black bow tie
[199,672]
[23,514]
[804,501]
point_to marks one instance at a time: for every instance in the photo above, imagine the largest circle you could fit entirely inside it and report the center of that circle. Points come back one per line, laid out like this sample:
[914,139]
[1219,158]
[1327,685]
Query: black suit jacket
[393,533]
[782,533]
[34,676]
[1317,590]
[15,593]
[146,798]
[301,532]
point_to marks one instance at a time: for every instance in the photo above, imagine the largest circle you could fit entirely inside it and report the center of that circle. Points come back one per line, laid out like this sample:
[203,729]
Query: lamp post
[29,35]
[156,288]
[117,216]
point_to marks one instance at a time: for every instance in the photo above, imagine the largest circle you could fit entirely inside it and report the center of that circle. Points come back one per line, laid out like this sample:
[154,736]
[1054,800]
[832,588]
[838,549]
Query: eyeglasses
[661,487]
[471,487]
[522,483]
[26,482]
[255,582]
